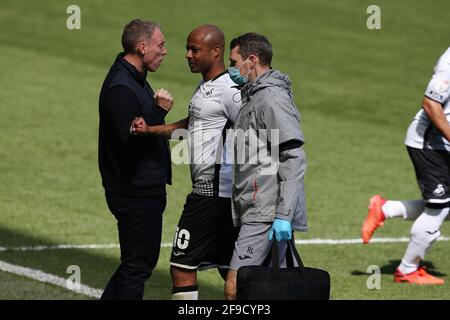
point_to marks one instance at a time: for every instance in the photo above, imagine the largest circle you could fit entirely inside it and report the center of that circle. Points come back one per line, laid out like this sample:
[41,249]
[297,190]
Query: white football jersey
[212,110]
[421,132]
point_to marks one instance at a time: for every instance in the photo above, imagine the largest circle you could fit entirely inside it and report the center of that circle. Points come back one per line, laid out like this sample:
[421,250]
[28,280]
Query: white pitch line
[169,244]
[357,241]
[69,246]
[48,278]
[61,247]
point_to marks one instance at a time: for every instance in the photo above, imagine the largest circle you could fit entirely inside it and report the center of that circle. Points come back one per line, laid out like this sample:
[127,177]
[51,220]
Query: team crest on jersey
[439,191]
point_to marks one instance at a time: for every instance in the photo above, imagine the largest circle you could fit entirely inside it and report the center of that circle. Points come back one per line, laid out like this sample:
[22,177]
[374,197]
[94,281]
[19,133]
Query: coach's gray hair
[135,31]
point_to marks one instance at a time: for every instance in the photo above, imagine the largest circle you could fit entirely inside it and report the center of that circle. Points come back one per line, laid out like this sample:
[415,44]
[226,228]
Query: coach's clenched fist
[164,99]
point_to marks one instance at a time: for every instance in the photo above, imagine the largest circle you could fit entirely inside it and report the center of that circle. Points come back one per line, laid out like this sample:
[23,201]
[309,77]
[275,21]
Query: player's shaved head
[205,48]
[210,35]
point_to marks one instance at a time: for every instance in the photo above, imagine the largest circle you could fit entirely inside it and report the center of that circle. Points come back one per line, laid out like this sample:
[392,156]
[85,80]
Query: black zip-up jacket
[131,165]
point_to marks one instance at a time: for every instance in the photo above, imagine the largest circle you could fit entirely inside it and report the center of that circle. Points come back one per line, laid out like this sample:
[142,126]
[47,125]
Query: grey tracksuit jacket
[264,190]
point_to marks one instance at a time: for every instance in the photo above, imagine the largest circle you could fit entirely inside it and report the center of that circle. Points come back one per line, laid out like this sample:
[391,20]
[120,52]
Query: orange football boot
[420,276]
[374,219]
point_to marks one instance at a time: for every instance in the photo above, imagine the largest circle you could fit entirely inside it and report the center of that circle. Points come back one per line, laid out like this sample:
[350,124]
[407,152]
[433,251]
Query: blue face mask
[235,74]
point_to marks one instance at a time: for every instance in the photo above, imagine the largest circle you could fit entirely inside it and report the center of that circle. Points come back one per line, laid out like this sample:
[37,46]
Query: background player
[428,146]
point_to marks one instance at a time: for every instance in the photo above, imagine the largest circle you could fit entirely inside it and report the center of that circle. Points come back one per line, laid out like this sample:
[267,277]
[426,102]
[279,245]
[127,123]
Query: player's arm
[140,127]
[437,94]
[435,113]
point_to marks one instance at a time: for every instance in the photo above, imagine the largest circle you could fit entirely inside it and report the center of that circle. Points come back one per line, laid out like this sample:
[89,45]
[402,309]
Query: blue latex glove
[282,229]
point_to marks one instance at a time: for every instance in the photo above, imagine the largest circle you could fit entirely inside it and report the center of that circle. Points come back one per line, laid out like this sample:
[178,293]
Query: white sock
[409,209]
[185,293]
[191,295]
[424,231]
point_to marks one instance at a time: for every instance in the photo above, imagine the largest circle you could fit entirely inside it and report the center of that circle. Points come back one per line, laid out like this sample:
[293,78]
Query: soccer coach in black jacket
[134,169]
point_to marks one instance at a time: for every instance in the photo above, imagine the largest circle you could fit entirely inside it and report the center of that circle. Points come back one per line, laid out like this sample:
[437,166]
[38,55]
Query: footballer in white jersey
[421,132]
[428,146]
[212,111]
[205,233]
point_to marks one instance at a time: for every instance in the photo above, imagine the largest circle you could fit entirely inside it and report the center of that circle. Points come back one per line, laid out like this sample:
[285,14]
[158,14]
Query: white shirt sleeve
[231,102]
[439,86]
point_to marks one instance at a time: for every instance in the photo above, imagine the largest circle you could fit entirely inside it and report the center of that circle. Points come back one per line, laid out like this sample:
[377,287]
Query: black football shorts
[433,175]
[205,234]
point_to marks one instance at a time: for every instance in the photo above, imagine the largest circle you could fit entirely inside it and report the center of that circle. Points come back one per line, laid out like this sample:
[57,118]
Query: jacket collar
[140,77]
[271,78]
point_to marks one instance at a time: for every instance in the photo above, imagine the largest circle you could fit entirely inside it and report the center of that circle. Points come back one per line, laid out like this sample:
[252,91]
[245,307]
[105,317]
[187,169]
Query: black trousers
[139,221]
